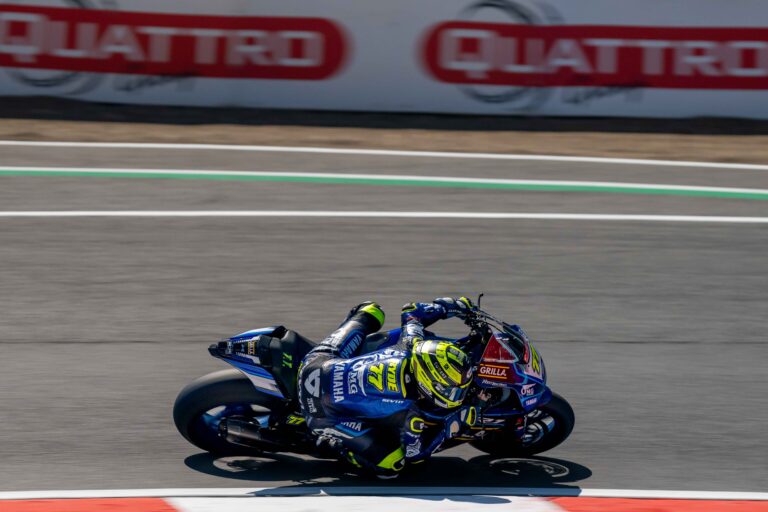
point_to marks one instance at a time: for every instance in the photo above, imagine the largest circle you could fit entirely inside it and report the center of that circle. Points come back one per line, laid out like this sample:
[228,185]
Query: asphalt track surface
[655,332]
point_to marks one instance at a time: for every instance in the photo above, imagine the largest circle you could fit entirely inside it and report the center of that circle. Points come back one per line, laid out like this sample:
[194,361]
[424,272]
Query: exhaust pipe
[240,432]
[245,433]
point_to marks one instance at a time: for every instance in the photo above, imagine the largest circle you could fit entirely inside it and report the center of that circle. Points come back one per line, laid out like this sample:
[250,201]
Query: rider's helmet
[443,372]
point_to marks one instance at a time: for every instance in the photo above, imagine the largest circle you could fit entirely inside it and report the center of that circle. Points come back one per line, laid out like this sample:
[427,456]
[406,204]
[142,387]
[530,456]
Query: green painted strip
[539,187]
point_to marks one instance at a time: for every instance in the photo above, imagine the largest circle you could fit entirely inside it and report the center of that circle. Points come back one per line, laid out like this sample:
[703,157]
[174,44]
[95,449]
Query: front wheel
[206,401]
[557,412]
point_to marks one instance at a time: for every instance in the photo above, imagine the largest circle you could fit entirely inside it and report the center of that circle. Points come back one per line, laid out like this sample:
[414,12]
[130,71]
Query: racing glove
[460,307]
[419,445]
[460,421]
[425,313]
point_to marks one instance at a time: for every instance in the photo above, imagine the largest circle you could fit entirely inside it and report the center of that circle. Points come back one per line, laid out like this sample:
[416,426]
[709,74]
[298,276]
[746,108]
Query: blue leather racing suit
[365,407]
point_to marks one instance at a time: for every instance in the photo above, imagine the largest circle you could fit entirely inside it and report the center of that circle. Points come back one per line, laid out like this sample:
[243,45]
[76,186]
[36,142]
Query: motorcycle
[253,408]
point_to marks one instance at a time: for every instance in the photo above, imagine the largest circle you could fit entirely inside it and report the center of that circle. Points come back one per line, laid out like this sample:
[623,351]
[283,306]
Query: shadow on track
[442,471]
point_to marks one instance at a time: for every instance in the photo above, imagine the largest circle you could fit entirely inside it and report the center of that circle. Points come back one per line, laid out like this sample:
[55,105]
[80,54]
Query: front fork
[528,428]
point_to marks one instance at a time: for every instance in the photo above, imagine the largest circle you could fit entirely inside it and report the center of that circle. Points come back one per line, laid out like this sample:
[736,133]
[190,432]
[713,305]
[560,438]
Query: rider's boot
[369,315]
[364,319]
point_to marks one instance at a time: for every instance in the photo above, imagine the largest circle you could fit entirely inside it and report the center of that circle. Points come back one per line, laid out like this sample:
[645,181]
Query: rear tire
[503,442]
[226,388]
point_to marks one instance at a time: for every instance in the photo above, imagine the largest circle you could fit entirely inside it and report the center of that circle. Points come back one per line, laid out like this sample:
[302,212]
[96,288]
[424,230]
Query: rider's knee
[369,314]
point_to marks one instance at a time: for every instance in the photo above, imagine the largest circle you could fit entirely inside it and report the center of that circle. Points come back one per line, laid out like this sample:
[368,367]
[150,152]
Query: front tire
[503,442]
[202,404]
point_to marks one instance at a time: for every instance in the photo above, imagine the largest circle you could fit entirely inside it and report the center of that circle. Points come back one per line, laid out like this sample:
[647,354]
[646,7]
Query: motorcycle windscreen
[499,350]
[497,364]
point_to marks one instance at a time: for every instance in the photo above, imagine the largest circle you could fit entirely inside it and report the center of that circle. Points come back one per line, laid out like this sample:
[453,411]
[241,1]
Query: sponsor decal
[376,376]
[492,383]
[534,367]
[501,51]
[312,383]
[357,426]
[488,371]
[134,84]
[527,390]
[354,379]
[338,382]
[61,81]
[583,96]
[531,401]
[246,358]
[350,346]
[295,420]
[392,384]
[447,51]
[146,43]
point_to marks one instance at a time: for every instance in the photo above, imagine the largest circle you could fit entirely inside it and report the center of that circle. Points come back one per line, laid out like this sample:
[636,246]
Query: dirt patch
[704,139]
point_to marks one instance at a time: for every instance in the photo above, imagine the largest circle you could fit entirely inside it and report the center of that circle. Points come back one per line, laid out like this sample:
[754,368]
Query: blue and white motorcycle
[253,408]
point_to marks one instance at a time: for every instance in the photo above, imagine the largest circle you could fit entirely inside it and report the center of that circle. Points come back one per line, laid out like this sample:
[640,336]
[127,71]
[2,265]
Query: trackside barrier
[655,58]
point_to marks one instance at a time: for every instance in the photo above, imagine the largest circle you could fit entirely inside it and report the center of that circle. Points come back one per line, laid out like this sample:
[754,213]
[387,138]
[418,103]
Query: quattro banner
[658,58]
[579,55]
[101,41]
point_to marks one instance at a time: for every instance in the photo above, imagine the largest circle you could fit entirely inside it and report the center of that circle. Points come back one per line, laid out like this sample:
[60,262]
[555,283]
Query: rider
[393,406]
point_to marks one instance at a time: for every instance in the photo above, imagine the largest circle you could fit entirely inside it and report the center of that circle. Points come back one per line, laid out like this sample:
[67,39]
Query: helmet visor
[452,394]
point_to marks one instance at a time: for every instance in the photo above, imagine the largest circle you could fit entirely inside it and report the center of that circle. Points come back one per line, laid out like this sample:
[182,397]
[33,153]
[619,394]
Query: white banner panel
[656,58]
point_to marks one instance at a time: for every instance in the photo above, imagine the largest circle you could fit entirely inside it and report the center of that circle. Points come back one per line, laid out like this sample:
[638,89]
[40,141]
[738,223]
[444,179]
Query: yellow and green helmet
[443,372]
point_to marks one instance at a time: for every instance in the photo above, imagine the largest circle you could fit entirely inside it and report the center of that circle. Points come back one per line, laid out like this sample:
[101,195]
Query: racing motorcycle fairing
[515,407]
[247,335]
[511,361]
[268,356]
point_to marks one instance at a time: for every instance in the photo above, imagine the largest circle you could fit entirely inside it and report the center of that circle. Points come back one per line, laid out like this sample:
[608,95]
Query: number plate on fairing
[535,366]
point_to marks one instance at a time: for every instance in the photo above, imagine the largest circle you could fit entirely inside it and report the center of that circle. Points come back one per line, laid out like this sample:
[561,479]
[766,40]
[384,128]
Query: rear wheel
[206,401]
[557,414]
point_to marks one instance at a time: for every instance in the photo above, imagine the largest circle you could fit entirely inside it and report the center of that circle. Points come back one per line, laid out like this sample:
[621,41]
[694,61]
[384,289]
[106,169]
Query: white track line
[389,215]
[385,491]
[387,177]
[384,152]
